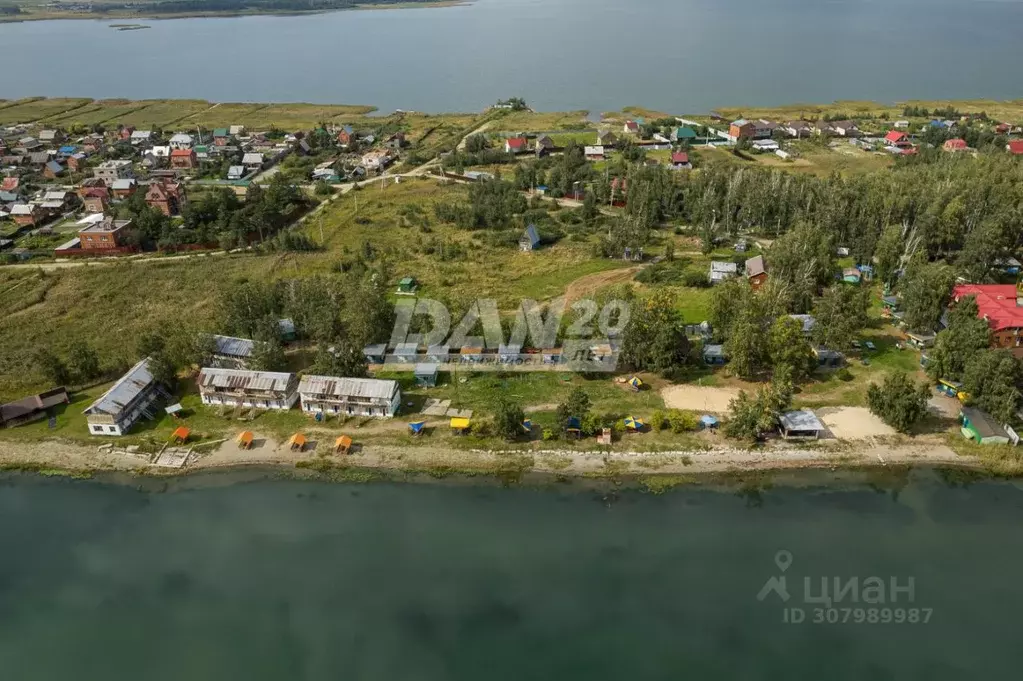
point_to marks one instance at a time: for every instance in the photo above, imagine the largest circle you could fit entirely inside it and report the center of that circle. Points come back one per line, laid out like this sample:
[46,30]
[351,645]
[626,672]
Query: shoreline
[222,14]
[659,469]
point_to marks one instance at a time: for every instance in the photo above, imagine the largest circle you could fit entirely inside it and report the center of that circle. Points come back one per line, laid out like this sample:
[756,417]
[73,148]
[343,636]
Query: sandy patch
[589,284]
[698,398]
[853,423]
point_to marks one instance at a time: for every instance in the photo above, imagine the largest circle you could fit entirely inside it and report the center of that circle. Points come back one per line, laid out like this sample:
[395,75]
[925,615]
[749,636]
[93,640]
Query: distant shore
[141,13]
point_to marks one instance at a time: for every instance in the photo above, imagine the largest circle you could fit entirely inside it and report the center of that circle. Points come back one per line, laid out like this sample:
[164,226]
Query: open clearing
[853,423]
[698,398]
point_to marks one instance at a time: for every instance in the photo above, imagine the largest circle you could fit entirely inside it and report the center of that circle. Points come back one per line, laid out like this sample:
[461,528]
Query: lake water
[216,578]
[683,56]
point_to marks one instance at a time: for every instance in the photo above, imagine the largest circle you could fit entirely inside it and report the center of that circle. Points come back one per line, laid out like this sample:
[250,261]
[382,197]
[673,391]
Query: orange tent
[180,434]
[297,441]
[245,439]
[343,444]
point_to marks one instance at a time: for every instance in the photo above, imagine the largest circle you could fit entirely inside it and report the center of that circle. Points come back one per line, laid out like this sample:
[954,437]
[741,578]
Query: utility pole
[321,227]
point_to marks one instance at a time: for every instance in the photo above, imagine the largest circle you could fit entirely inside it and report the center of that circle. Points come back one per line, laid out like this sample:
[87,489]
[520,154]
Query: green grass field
[35,109]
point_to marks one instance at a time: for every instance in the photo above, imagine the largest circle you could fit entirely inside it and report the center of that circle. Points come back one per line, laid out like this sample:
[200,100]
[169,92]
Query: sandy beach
[269,452]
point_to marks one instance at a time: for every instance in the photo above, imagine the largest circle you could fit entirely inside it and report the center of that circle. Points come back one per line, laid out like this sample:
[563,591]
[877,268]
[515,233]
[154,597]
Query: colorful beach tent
[417,427]
[297,441]
[342,444]
[573,424]
[527,426]
[245,439]
[180,434]
[633,423]
[635,383]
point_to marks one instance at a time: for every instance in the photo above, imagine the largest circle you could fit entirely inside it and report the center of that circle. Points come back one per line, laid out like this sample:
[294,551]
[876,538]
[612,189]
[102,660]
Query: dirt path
[589,284]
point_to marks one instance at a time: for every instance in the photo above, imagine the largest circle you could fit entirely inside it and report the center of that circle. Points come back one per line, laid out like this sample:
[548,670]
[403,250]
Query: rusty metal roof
[240,379]
[348,387]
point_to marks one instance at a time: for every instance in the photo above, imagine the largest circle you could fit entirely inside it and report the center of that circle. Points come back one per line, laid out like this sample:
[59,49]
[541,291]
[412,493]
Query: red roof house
[515,145]
[1015,147]
[182,158]
[955,144]
[998,304]
[896,138]
[679,158]
[9,184]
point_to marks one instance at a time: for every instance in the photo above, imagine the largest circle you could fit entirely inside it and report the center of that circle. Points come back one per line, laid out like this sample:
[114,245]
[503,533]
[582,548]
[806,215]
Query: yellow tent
[342,444]
[245,439]
[459,423]
[297,441]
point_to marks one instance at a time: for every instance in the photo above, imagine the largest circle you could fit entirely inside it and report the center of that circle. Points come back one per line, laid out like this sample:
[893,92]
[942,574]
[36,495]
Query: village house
[594,153]
[127,401]
[901,125]
[955,144]
[631,128]
[241,388]
[395,142]
[345,136]
[51,136]
[38,158]
[31,408]
[110,171]
[181,140]
[721,270]
[797,129]
[236,172]
[137,137]
[516,145]
[683,134]
[183,159]
[1002,308]
[232,353]
[106,234]
[76,162]
[122,189]
[29,143]
[95,200]
[745,129]
[897,138]
[376,160]
[93,144]
[606,138]
[221,136]
[756,271]
[545,142]
[27,214]
[252,161]
[167,197]
[349,396]
[52,170]
[680,160]
[530,240]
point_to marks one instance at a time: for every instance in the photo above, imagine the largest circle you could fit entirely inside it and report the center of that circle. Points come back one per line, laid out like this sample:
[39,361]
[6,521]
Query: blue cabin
[530,240]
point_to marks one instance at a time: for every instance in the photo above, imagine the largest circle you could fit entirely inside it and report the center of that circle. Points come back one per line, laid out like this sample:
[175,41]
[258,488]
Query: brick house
[110,171]
[345,136]
[76,162]
[105,235]
[26,214]
[52,170]
[741,129]
[95,201]
[168,197]
[122,189]
[182,159]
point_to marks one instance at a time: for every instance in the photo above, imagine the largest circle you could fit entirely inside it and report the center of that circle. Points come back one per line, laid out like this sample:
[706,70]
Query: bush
[844,374]
[549,435]
[682,421]
[695,278]
[657,421]
[481,428]
[900,401]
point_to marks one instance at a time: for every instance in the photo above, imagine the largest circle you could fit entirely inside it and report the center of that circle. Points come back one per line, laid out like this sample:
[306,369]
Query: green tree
[340,358]
[992,379]
[577,404]
[655,337]
[925,294]
[83,361]
[839,314]
[747,353]
[52,367]
[803,258]
[508,418]
[965,336]
[888,254]
[788,348]
[899,401]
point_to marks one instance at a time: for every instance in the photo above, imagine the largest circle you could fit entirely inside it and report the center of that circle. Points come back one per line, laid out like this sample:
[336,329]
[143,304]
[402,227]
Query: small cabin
[408,286]
[426,375]
[530,240]
[801,424]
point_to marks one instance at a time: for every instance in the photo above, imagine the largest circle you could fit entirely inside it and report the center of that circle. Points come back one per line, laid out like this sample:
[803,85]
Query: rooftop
[348,387]
[241,379]
[106,226]
[803,419]
[996,303]
[127,388]
[234,347]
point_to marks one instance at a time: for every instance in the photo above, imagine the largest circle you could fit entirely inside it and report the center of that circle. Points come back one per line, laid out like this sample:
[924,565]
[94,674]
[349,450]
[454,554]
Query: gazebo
[297,442]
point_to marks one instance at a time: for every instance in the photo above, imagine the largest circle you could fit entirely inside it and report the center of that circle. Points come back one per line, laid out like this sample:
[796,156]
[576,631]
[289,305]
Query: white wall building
[128,400]
[350,396]
[241,388]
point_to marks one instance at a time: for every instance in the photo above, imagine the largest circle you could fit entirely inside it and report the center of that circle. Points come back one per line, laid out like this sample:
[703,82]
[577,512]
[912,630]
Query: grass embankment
[1011,110]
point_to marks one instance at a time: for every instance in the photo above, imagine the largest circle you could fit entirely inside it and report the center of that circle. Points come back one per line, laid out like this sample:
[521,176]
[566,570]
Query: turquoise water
[214,578]
[681,56]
